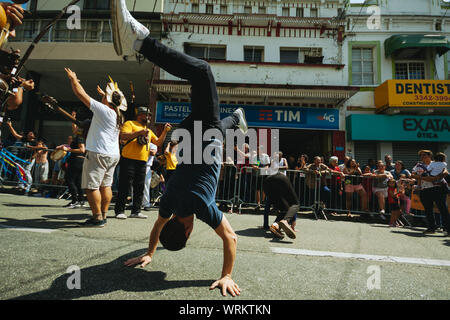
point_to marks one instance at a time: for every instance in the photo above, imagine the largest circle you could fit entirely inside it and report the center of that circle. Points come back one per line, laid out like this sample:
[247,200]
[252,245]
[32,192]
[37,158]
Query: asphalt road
[41,241]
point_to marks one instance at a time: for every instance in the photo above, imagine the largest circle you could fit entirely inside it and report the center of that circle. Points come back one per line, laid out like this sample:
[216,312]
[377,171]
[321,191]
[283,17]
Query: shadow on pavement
[75,216]
[111,277]
[252,232]
[26,205]
[41,223]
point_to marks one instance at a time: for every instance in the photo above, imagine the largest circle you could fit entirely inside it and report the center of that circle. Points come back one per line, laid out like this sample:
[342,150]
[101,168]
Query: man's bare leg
[106,196]
[95,199]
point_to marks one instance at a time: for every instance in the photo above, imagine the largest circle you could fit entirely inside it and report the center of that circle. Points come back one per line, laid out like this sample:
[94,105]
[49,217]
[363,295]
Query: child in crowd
[405,190]
[393,200]
[438,167]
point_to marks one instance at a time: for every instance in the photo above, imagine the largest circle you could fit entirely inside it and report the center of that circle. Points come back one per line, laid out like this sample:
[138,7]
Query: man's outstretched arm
[77,88]
[153,243]
[229,238]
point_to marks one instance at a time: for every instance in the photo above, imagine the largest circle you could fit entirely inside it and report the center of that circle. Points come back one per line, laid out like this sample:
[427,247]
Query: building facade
[336,78]
[397,55]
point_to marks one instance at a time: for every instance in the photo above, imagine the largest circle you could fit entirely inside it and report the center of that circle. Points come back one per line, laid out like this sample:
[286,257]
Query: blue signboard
[259,116]
[398,128]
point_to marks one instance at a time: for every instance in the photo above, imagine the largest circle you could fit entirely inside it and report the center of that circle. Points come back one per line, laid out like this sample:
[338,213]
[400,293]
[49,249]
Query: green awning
[402,41]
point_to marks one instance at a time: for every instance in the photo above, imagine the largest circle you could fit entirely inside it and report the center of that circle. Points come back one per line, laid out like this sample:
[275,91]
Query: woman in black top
[74,169]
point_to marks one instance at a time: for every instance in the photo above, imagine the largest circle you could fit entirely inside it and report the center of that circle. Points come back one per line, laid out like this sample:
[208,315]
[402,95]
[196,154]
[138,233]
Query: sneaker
[125,29]
[94,223]
[83,205]
[276,232]
[242,122]
[70,205]
[138,215]
[287,229]
[121,216]
[429,231]
[382,215]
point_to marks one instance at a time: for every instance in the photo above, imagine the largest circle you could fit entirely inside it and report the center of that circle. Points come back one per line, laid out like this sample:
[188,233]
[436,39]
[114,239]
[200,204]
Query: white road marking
[28,229]
[345,255]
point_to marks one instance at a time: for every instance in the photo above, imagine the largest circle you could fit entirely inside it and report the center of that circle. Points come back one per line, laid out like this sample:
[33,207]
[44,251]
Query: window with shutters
[206,52]
[410,70]
[253,54]
[209,9]
[300,55]
[363,66]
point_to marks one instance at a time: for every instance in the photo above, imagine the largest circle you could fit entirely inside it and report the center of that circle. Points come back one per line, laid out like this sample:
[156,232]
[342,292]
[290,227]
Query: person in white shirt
[148,178]
[102,147]
[428,173]
[259,160]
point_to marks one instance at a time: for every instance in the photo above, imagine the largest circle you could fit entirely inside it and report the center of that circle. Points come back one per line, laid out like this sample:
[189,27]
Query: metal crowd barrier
[11,166]
[321,194]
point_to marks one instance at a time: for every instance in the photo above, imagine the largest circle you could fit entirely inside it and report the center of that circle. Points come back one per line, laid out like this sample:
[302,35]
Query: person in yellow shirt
[171,159]
[133,161]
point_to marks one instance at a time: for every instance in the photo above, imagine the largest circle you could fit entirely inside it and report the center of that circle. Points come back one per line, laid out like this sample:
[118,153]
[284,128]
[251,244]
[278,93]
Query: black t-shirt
[76,145]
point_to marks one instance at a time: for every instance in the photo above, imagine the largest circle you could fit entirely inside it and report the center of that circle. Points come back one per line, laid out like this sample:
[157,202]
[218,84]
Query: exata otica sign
[413,94]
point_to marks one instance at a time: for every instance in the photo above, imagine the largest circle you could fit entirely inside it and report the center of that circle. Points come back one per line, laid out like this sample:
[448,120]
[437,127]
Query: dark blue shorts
[185,204]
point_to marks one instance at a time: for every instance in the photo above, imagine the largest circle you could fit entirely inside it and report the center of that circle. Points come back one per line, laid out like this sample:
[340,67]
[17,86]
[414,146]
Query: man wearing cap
[133,161]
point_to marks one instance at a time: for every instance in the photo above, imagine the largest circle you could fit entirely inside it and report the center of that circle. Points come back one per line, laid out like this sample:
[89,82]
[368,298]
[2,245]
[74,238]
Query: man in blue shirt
[192,187]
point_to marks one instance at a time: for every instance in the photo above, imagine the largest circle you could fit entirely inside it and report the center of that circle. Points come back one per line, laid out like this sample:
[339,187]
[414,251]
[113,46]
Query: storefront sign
[259,116]
[398,128]
[413,93]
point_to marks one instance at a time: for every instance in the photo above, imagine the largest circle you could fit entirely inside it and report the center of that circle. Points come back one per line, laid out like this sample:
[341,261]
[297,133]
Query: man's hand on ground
[227,285]
[142,260]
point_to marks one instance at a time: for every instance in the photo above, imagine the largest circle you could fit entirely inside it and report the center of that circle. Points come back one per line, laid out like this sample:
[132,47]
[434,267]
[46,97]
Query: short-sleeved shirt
[435,168]
[134,150]
[153,147]
[103,136]
[397,175]
[421,169]
[172,161]
[381,182]
[192,190]
[77,140]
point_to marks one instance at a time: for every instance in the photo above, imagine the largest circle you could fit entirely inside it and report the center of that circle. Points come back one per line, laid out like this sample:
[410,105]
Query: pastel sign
[259,116]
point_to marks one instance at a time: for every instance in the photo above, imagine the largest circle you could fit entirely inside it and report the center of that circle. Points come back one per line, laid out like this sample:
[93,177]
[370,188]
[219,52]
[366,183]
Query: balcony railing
[91,30]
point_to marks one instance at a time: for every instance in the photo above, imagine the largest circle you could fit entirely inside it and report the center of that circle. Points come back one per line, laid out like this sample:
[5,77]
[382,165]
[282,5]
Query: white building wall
[275,74]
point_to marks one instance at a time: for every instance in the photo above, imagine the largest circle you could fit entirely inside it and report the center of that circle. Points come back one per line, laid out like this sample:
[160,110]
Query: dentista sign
[398,128]
[413,93]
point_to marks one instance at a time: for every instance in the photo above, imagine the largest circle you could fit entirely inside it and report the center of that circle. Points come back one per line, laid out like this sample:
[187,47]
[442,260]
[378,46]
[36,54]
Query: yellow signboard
[413,93]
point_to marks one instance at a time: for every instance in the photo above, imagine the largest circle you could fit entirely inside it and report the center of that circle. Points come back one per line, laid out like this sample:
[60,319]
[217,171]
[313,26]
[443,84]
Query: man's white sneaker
[242,122]
[121,216]
[126,29]
[138,215]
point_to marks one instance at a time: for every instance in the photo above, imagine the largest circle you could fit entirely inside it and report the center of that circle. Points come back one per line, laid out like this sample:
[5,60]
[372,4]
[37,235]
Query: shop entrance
[294,142]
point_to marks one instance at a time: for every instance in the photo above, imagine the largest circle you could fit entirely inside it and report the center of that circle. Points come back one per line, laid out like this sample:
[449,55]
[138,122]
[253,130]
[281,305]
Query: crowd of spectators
[378,187]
